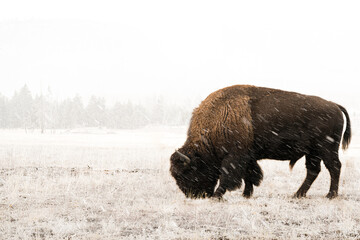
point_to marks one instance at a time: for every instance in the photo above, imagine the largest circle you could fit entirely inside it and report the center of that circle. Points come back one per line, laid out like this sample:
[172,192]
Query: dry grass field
[102,184]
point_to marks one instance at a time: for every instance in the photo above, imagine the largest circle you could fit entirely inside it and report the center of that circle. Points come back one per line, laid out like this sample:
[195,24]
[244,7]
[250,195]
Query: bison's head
[195,173]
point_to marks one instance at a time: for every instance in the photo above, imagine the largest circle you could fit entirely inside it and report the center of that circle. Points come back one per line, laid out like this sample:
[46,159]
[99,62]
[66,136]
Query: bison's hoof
[247,195]
[218,199]
[217,196]
[332,195]
[299,195]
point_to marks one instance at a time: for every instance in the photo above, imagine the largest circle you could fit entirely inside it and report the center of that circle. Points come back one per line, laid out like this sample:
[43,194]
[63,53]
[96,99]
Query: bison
[238,125]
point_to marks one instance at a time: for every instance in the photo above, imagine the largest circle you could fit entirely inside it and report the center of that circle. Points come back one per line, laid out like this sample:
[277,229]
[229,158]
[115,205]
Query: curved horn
[187,159]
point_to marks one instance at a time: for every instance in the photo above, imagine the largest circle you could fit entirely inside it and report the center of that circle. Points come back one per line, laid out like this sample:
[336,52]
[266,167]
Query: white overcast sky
[135,49]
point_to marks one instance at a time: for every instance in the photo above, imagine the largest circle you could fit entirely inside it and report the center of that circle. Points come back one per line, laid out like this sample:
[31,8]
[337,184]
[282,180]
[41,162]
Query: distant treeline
[23,110]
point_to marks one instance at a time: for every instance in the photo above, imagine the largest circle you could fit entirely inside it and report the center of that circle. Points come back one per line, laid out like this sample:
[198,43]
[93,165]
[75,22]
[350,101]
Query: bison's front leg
[231,176]
[249,189]
[226,182]
[253,176]
[220,191]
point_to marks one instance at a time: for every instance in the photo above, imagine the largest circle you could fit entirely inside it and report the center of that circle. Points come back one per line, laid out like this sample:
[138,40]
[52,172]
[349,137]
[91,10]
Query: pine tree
[96,114]
[22,109]
[4,114]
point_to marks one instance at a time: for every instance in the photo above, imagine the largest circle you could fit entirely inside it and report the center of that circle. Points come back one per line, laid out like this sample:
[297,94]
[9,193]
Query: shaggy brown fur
[233,121]
[236,126]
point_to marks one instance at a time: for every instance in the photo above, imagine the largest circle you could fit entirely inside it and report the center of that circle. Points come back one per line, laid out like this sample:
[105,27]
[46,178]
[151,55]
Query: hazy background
[85,72]
[180,50]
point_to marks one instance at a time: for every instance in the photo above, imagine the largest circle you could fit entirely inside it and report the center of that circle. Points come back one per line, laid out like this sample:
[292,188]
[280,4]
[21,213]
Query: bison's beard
[197,193]
[196,188]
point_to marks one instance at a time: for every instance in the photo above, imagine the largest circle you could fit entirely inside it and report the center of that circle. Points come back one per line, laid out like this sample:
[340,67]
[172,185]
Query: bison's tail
[347,134]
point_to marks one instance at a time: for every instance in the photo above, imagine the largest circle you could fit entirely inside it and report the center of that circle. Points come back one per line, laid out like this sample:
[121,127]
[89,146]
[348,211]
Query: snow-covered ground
[106,184]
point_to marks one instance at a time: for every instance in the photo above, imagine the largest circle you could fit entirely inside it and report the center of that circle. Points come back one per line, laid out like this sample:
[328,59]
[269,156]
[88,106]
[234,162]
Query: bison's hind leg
[253,176]
[313,168]
[333,164]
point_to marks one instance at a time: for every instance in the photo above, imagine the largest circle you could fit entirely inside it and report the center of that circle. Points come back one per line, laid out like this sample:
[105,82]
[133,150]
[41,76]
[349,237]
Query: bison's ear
[183,157]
